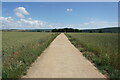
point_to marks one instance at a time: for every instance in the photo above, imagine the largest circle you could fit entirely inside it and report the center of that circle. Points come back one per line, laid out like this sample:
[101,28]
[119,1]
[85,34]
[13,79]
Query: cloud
[7,21]
[21,12]
[10,23]
[97,24]
[29,23]
[69,10]
[87,25]
[19,15]
[32,23]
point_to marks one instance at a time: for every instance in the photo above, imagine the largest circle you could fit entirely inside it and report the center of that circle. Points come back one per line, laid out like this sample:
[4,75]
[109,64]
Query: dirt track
[62,60]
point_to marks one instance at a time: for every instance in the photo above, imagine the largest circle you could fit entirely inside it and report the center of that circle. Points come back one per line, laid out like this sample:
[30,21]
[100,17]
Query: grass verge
[95,48]
[21,49]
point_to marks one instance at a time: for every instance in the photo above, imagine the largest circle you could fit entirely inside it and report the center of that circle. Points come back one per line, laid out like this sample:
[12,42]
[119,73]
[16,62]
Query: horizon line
[58,28]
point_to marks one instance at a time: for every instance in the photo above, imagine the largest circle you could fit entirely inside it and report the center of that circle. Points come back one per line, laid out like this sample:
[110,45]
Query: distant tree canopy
[66,30]
[100,31]
[91,31]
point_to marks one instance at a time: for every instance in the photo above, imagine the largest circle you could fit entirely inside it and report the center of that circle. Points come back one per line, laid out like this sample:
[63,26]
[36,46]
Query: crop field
[101,49]
[20,50]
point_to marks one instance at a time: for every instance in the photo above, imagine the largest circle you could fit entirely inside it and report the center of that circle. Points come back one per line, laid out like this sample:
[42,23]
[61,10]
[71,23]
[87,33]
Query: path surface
[62,60]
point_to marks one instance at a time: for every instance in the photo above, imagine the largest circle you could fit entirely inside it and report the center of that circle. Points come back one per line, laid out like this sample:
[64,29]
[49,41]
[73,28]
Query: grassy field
[20,50]
[101,49]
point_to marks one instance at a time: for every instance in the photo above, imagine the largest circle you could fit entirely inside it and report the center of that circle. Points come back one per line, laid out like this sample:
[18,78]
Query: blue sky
[81,15]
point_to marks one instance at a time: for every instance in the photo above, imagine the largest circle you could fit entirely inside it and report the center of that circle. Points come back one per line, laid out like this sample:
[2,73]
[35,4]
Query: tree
[80,30]
[100,31]
[66,30]
[91,31]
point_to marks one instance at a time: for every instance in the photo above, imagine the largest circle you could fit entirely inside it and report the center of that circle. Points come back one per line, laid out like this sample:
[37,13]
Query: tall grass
[101,49]
[20,50]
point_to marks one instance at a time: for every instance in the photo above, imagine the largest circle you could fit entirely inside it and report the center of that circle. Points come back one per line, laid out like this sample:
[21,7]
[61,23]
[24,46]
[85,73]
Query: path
[62,60]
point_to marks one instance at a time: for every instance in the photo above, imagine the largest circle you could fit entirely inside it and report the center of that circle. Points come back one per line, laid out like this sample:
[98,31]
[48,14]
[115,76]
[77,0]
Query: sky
[47,15]
[60,0]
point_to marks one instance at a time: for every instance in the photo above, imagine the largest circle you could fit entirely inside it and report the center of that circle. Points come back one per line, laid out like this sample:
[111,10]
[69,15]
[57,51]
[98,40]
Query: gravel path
[62,60]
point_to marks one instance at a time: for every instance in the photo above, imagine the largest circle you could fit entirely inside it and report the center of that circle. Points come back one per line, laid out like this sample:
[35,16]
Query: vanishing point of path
[62,60]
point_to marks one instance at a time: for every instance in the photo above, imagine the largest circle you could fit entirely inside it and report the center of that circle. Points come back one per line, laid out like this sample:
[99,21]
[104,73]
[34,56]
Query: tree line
[66,30]
[77,30]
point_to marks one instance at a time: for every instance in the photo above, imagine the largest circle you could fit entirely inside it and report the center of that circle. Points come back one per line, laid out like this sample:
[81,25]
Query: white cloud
[19,15]
[7,21]
[97,24]
[69,10]
[29,23]
[21,12]
[10,23]
[87,25]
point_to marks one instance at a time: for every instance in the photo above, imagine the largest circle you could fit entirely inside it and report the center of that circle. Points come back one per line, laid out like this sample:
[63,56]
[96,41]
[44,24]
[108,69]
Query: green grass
[20,50]
[101,49]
